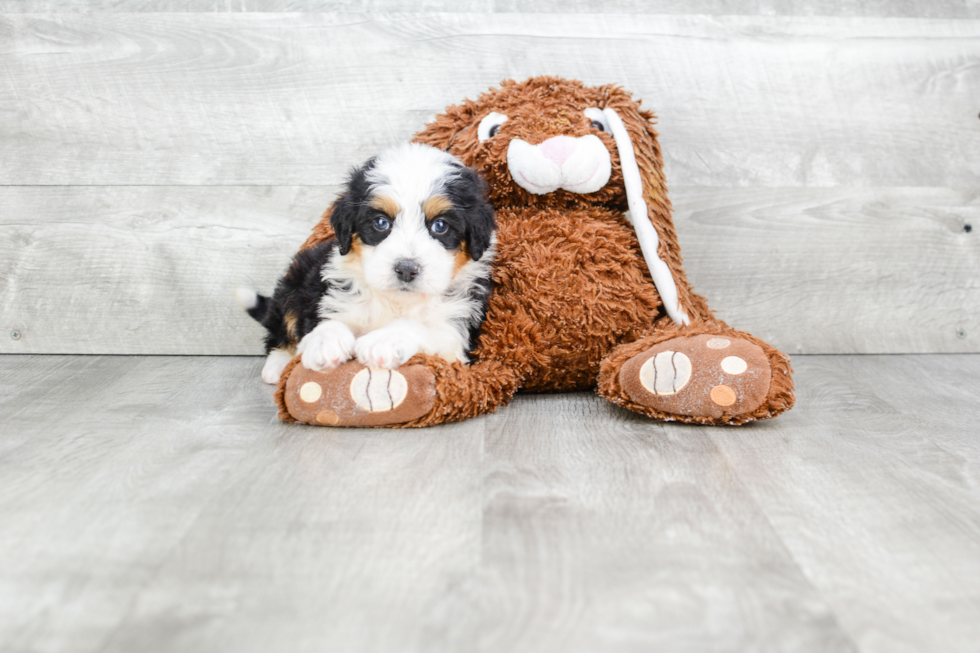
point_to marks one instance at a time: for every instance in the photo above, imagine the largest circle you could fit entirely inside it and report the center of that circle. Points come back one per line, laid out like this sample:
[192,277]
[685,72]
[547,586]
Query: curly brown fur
[280,395]
[465,391]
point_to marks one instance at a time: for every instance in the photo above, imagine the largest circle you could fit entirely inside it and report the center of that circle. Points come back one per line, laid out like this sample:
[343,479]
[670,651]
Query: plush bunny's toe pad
[701,376]
[355,395]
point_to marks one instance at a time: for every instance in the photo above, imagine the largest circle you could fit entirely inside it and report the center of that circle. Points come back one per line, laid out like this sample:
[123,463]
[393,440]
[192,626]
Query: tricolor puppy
[408,271]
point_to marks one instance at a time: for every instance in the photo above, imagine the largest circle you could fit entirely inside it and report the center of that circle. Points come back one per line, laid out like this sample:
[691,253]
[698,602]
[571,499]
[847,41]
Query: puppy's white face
[408,189]
[409,259]
[418,218]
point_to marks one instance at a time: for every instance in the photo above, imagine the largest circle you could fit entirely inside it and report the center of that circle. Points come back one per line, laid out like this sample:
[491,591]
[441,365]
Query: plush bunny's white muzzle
[579,165]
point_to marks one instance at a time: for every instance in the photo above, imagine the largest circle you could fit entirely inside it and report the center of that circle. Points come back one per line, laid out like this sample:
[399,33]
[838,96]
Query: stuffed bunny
[589,291]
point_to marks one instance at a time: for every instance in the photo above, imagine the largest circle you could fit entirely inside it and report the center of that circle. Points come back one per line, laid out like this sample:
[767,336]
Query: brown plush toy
[589,289]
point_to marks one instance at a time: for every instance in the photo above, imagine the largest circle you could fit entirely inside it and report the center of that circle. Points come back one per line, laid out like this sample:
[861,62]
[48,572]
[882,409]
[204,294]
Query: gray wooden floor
[157,504]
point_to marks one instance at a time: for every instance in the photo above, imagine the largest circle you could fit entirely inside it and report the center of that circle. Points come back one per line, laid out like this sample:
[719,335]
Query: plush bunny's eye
[598,119]
[490,125]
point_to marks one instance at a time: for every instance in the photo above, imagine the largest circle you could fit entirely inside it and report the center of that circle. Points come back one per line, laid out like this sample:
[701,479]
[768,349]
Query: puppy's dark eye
[439,227]
[381,224]
[595,124]
[494,130]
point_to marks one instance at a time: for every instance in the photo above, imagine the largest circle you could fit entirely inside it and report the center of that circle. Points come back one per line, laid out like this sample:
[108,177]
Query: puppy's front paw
[327,346]
[385,348]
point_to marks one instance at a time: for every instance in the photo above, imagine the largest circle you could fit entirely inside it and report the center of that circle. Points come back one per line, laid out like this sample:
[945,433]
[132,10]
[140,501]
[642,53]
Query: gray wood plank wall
[824,167]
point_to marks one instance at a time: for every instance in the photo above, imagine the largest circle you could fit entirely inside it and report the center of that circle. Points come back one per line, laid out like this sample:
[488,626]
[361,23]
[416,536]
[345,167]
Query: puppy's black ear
[343,219]
[481,222]
[481,226]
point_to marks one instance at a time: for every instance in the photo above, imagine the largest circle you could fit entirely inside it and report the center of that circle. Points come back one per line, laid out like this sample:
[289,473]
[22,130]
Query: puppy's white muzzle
[579,165]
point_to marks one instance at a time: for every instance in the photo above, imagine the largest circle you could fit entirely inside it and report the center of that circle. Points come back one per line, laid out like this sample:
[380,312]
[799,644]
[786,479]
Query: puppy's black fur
[293,309]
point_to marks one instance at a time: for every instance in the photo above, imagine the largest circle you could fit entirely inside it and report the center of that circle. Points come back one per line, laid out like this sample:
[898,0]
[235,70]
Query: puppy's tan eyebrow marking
[386,205]
[436,205]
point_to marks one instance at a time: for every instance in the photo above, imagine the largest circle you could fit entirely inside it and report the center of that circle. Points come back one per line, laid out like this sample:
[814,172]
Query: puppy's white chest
[372,311]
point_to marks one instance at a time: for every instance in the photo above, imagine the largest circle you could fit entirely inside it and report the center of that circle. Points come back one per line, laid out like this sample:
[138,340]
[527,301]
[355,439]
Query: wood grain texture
[128,483]
[156,504]
[598,530]
[150,270]
[261,98]
[882,8]
[840,271]
[895,436]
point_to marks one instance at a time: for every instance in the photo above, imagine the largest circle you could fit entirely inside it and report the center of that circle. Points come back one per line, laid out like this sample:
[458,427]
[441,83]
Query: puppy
[408,271]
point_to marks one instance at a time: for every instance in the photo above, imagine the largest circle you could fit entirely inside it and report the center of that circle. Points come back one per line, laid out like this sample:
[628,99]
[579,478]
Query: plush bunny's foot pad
[703,376]
[355,395]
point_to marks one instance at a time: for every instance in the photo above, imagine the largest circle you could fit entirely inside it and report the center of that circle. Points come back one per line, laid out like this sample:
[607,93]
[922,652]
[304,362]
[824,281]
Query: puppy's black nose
[407,269]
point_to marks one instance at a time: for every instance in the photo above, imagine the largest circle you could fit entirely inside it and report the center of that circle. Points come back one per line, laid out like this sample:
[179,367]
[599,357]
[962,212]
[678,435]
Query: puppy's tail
[254,304]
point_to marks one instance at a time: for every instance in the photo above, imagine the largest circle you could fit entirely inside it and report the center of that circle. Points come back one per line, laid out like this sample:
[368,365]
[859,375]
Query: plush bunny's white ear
[646,233]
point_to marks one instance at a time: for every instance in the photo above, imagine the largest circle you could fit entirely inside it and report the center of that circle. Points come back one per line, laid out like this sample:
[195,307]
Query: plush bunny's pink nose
[558,148]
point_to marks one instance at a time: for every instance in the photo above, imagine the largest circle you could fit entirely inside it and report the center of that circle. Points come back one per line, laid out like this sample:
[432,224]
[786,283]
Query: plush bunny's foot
[355,395]
[712,376]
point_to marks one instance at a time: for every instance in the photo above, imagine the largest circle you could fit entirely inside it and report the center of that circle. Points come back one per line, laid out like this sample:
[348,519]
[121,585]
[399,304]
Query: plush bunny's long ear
[646,233]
